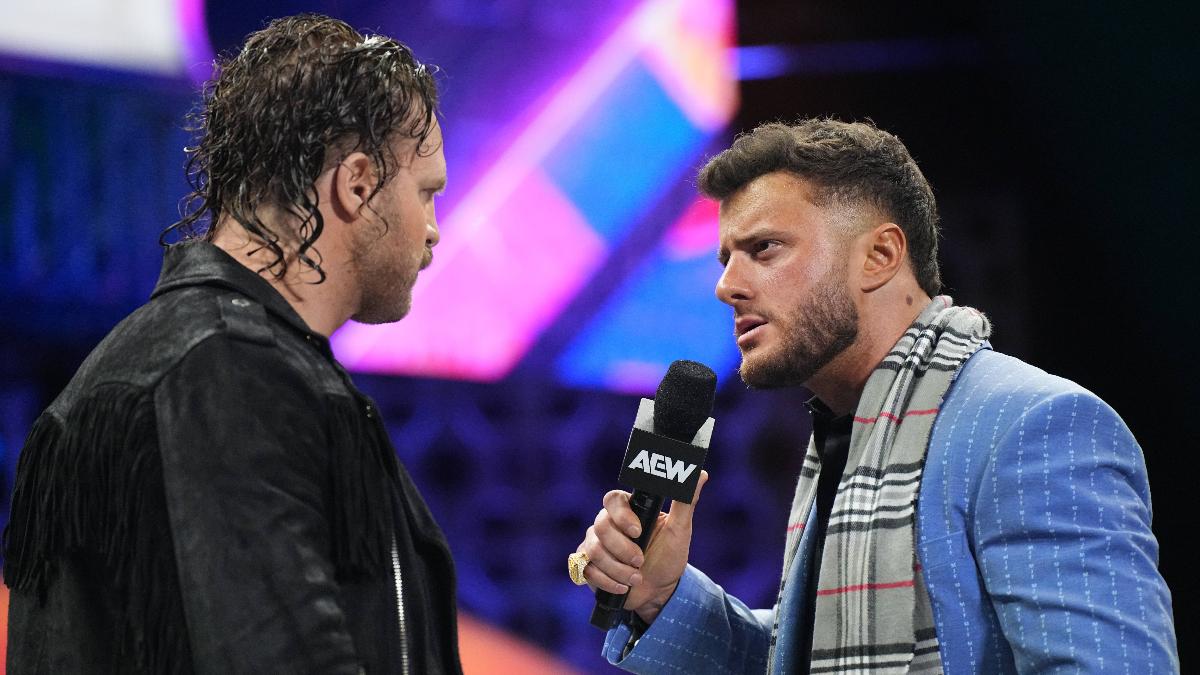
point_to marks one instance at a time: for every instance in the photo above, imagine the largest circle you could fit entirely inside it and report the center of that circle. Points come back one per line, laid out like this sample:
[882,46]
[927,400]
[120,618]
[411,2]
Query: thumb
[681,513]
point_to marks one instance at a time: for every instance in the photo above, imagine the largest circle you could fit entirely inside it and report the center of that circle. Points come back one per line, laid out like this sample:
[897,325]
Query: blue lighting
[666,311]
[613,165]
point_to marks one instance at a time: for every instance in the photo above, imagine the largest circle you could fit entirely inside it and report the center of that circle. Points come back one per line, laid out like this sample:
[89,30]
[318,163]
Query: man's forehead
[435,153]
[434,139]
[771,194]
[782,206]
[758,200]
[424,154]
[772,188]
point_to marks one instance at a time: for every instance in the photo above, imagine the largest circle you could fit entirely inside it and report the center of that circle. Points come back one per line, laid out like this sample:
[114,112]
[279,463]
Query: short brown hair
[851,164]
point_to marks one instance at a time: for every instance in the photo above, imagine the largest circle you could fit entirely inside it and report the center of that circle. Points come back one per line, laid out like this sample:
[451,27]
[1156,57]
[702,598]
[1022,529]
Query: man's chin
[380,315]
[759,373]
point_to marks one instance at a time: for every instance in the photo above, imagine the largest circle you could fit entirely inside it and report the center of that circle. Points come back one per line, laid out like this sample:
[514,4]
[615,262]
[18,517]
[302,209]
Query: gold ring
[576,562]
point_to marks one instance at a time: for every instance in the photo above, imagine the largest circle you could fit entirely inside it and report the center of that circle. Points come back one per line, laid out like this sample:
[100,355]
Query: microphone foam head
[684,400]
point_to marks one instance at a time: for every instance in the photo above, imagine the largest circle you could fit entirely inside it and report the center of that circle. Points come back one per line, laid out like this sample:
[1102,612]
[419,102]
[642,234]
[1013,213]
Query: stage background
[1060,143]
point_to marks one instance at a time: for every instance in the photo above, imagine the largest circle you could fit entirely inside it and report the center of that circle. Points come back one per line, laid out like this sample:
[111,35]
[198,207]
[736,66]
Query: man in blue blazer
[958,511]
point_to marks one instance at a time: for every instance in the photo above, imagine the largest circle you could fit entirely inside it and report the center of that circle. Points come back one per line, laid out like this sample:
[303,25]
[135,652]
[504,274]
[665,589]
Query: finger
[681,513]
[616,502]
[599,579]
[616,543]
[612,551]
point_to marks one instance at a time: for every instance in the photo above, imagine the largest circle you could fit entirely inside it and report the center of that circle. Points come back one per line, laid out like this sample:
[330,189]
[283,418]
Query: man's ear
[352,182]
[886,254]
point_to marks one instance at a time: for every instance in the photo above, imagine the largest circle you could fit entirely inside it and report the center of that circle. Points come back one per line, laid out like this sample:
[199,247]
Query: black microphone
[666,449]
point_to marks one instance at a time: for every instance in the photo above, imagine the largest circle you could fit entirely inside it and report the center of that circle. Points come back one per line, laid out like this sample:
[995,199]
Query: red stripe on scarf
[872,420]
[863,587]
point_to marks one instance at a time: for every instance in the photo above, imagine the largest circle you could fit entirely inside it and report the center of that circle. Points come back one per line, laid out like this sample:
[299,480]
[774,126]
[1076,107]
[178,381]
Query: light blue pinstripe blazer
[1033,528]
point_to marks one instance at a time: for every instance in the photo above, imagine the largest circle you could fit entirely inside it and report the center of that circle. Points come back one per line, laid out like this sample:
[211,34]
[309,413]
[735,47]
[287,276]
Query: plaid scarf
[872,609]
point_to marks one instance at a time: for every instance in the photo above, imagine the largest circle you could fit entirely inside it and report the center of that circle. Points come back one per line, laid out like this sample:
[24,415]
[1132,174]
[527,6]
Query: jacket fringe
[91,485]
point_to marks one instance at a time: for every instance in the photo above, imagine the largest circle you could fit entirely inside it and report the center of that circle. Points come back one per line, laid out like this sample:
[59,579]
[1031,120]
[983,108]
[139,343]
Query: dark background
[1060,142]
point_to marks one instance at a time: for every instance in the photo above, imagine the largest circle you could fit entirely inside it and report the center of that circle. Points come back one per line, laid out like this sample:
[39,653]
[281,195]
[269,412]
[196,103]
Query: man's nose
[732,286]
[432,234]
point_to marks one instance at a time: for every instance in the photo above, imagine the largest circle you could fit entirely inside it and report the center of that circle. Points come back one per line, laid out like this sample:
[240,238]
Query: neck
[317,303]
[882,320]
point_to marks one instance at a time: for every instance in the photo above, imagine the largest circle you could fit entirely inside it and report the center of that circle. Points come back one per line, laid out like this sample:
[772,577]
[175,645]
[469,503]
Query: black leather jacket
[211,493]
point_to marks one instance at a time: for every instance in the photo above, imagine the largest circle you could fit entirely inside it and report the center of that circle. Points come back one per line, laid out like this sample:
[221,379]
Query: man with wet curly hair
[211,492]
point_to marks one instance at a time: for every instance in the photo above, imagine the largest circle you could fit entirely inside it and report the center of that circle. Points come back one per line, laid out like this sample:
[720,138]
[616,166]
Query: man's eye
[764,246]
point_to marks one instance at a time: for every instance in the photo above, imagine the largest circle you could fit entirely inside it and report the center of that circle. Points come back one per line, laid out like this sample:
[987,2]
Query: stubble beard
[385,283]
[386,294]
[814,334]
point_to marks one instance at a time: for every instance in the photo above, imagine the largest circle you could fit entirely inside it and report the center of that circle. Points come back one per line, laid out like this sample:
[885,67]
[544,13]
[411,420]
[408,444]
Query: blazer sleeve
[243,454]
[701,629]
[1063,541]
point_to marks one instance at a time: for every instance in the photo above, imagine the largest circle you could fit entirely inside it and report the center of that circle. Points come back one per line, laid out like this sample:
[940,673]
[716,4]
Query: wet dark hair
[303,93]
[850,164]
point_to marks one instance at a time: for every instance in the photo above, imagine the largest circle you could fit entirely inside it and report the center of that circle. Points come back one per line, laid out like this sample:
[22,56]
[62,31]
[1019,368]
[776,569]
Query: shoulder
[180,320]
[199,323]
[1005,389]
[227,337]
[1000,374]
[1000,405]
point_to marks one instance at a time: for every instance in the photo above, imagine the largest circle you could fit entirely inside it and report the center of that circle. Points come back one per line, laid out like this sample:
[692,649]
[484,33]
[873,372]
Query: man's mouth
[428,259]
[746,329]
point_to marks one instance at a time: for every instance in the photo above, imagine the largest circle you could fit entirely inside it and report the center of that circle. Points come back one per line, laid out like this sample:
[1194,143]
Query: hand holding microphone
[633,548]
[611,546]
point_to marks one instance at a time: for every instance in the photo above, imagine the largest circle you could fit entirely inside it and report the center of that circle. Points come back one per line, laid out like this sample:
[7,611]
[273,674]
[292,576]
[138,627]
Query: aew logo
[662,466]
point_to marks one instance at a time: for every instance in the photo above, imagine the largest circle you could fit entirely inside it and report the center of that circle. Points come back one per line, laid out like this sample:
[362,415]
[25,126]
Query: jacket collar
[196,262]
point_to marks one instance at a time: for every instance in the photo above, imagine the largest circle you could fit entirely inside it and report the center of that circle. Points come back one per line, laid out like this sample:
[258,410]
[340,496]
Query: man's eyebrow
[743,239]
[756,233]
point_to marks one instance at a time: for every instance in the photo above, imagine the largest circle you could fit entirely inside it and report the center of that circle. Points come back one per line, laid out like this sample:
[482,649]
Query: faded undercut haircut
[304,92]
[849,164]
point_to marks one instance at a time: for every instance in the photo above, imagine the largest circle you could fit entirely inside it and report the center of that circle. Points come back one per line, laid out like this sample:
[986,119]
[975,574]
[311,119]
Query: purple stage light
[549,212]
